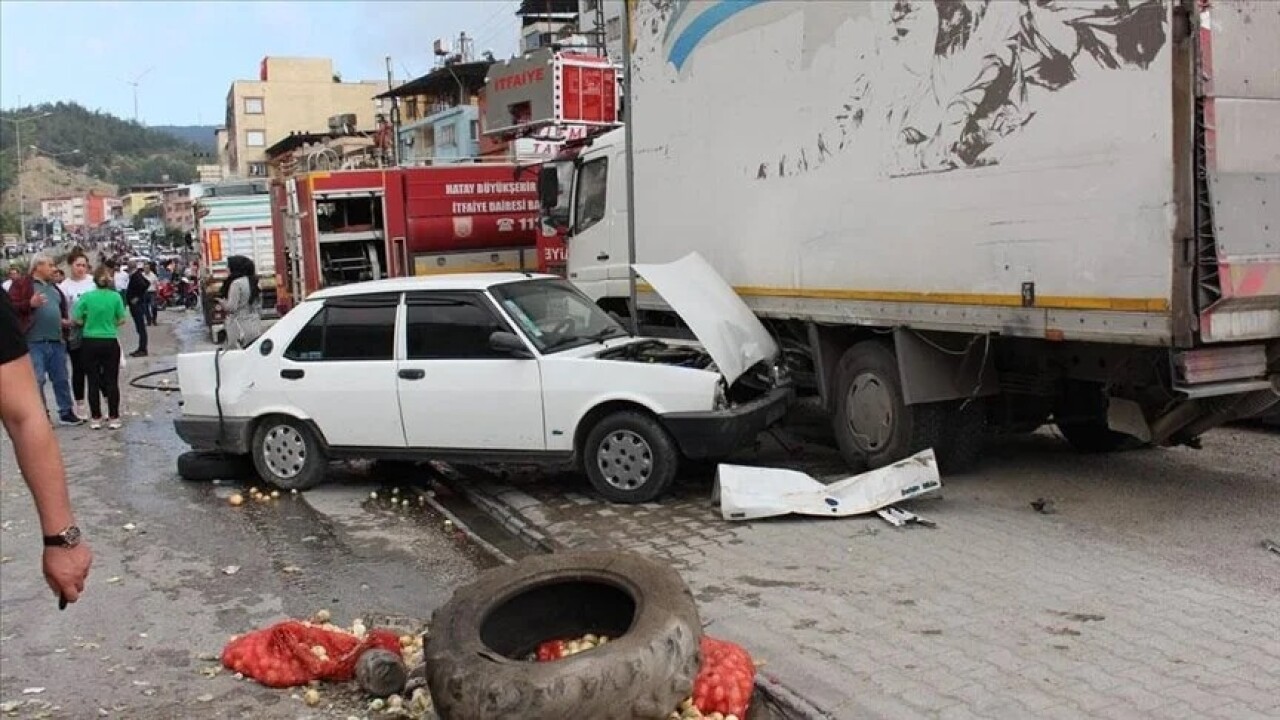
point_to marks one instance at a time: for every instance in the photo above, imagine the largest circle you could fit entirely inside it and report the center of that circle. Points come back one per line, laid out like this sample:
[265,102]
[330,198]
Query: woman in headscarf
[240,301]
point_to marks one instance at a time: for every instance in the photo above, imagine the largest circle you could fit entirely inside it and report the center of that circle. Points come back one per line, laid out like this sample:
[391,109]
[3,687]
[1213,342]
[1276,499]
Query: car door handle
[292,374]
[602,256]
[412,374]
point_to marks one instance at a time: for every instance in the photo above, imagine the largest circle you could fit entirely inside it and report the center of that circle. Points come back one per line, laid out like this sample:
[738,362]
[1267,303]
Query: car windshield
[554,315]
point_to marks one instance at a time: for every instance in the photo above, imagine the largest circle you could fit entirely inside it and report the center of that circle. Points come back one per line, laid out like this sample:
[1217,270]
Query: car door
[340,369]
[456,392]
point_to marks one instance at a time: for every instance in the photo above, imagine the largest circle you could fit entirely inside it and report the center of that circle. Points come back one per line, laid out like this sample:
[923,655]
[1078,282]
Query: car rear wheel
[287,454]
[630,458]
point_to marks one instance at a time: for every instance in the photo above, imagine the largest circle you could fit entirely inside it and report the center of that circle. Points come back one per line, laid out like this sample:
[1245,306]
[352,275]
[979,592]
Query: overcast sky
[188,53]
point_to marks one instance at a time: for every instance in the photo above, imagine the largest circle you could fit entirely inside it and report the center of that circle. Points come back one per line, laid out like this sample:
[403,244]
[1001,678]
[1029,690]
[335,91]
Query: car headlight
[721,398]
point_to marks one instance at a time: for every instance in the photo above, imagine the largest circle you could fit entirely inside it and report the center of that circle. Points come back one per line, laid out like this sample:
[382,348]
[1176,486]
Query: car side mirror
[508,344]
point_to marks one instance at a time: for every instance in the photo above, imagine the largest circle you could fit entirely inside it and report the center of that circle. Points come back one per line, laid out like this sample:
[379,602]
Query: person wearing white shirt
[77,283]
[122,278]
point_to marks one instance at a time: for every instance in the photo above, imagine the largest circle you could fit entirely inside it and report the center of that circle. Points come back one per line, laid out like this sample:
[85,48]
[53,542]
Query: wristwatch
[68,538]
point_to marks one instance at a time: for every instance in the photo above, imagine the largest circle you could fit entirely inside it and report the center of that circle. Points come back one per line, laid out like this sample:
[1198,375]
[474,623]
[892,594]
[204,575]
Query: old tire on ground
[474,654]
[287,454]
[872,424]
[629,457]
[204,465]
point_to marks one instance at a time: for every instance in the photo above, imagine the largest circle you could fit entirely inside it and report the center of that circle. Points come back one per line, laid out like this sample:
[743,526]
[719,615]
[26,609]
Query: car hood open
[724,324]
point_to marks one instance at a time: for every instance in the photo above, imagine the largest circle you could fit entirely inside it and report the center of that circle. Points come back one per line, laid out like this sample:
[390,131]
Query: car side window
[350,328]
[450,326]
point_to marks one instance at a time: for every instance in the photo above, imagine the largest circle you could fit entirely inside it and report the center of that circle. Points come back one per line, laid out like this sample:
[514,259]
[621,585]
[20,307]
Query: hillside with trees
[199,135]
[96,144]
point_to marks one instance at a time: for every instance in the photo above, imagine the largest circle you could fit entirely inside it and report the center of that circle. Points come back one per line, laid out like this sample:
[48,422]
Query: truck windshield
[554,315]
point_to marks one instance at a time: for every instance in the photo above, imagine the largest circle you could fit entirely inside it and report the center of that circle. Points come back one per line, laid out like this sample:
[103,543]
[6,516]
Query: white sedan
[490,368]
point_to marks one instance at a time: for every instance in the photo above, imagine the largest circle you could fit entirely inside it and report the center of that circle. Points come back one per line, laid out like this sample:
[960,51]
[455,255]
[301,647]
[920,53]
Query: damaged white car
[487,369]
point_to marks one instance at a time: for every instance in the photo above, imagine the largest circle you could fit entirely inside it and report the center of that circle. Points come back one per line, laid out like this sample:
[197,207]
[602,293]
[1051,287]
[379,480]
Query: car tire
[476,652]
[206,465]
[872,423]
[287,454]
[629,457]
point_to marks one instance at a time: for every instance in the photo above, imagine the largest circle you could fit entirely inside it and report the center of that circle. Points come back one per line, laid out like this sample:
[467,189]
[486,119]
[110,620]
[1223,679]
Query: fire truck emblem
[462,226]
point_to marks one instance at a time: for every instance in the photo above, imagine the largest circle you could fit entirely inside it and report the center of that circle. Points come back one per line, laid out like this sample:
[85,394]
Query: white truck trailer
[960,216]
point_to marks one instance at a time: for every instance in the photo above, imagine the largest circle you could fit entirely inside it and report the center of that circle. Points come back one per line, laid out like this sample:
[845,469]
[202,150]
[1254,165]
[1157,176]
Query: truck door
[598,246]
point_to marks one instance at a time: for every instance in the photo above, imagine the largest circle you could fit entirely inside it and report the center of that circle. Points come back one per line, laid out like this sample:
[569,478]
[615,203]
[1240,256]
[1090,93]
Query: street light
[17,145]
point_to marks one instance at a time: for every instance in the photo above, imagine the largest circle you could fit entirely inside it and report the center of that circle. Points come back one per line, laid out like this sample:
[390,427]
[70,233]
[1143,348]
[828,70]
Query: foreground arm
[40,461]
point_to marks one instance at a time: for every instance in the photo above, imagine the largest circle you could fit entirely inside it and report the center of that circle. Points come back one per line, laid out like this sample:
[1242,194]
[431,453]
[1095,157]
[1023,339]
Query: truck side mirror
[548,187]
[508,344]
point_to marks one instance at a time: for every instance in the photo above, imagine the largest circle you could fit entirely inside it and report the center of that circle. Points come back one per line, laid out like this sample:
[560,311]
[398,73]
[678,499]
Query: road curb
[510,507]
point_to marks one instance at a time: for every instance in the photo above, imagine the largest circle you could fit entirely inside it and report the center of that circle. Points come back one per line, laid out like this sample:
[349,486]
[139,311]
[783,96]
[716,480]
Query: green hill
[115,151]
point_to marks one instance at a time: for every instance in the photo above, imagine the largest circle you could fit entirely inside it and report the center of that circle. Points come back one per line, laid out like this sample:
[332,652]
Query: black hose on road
[137,382]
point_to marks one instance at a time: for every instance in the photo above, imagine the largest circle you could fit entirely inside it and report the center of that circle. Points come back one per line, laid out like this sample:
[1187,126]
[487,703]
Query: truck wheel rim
[869,411]
[625,459]
[284,450]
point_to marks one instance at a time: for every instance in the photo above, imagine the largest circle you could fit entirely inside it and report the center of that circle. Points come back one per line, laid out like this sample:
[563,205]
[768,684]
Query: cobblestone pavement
[1148,594]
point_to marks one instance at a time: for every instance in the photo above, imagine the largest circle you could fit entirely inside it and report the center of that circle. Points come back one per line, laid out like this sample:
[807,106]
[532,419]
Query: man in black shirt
[66,557]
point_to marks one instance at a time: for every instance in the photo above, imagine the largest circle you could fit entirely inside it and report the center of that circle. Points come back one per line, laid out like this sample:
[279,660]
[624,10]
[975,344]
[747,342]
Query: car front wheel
[630,458]
[287,454]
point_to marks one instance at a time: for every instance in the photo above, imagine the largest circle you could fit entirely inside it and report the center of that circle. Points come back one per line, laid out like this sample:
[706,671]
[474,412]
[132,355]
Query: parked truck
[233,217]
[965,216]
[334,228]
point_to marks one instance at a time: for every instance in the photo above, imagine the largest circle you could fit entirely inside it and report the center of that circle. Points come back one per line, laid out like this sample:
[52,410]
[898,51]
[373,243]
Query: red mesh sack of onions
[725,679]
[292,653]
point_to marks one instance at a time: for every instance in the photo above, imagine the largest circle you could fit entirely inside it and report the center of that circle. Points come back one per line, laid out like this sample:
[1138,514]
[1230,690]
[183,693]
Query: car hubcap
[284,451]
[625,460]
[869,412]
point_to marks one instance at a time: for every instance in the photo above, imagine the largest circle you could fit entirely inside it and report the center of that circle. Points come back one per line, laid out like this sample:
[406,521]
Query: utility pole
[630,153]
[22,200]
[393,117]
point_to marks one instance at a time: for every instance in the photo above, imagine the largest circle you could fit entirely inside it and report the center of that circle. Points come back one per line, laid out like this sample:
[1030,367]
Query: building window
[257,169]
[613,29]
[411,109]
[475,131]
[255,138]
[447,135]
[253,106]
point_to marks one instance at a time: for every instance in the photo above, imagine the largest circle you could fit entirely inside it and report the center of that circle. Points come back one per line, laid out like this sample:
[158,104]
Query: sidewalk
[999,613]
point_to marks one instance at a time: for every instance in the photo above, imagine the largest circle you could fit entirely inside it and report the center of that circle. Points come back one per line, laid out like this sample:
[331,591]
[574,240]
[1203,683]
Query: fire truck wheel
[205,465]
[478,655]
[287,454]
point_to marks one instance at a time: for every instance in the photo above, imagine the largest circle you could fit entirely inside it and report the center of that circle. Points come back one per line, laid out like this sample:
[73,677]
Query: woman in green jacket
[101,311]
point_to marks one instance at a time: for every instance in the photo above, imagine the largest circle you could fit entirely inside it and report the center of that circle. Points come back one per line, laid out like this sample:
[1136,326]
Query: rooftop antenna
[137,80]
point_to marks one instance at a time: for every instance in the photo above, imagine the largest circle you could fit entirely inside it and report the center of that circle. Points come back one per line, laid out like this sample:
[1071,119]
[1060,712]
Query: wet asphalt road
[160,605]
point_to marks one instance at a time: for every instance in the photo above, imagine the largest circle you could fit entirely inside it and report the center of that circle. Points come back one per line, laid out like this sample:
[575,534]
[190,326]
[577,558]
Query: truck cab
[583,192]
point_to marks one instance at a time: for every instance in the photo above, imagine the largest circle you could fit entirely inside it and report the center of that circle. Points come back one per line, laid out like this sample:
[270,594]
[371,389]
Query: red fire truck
[333,228]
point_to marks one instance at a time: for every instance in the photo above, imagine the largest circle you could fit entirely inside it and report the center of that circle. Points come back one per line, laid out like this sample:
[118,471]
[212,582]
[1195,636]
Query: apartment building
[81,212]
[179,212]
[439,114]
[601,22]
[290,95]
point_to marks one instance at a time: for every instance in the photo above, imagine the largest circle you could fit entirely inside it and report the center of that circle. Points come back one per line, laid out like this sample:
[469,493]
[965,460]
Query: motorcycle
[182,293]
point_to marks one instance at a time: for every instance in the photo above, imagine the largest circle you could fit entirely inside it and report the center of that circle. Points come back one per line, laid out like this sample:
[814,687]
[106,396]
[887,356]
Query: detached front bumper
[719,433]
[230,435]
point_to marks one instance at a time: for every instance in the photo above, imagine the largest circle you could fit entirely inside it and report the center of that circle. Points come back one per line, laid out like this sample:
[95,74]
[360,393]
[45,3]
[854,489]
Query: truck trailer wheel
[629,457]
[287,454]
[480,641]
[872,424]
[1082,420]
